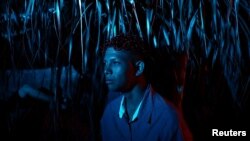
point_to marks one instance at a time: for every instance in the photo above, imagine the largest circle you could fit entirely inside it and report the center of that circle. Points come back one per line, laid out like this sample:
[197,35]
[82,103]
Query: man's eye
[116,62]
[104,63]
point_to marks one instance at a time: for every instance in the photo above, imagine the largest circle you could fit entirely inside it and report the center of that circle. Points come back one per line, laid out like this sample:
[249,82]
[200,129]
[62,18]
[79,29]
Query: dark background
[206,41]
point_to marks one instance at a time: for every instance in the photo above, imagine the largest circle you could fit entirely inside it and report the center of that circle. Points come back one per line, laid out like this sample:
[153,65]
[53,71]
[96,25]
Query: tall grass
[42,34]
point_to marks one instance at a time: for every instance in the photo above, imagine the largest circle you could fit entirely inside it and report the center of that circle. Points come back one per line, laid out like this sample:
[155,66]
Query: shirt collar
[122,107]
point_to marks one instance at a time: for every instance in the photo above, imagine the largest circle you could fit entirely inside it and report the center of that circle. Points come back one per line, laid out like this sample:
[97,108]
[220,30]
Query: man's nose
[107,69]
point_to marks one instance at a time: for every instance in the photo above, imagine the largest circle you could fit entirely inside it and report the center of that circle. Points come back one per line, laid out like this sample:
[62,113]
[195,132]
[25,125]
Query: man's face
[119,70]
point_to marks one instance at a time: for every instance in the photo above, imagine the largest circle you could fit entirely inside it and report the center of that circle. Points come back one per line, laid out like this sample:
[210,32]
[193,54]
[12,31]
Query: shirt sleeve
[171,130]
[106,125]
[103,125]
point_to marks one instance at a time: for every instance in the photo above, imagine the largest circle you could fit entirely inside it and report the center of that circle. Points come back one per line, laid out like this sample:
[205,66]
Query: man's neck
[134,97]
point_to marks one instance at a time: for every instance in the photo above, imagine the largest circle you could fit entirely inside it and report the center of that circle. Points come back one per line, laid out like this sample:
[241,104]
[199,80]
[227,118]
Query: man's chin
[113,90]
[117,90]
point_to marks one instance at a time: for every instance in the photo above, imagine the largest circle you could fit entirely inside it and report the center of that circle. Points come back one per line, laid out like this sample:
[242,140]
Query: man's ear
[139,67]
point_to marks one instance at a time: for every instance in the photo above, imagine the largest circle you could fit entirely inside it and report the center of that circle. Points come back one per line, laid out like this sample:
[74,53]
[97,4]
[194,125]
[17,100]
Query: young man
[139,113]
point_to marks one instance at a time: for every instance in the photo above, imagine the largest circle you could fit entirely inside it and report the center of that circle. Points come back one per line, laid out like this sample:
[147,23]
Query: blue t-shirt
[156,121]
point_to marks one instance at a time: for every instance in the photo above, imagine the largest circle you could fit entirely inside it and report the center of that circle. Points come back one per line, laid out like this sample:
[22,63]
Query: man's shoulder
[165,107]
[111,111]
[114,105]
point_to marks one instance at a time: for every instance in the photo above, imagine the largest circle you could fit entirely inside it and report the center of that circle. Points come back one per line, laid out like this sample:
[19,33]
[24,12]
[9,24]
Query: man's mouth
[109,81]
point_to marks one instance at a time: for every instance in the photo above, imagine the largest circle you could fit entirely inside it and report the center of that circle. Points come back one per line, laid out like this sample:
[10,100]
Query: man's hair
[130,43]
[134,45]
